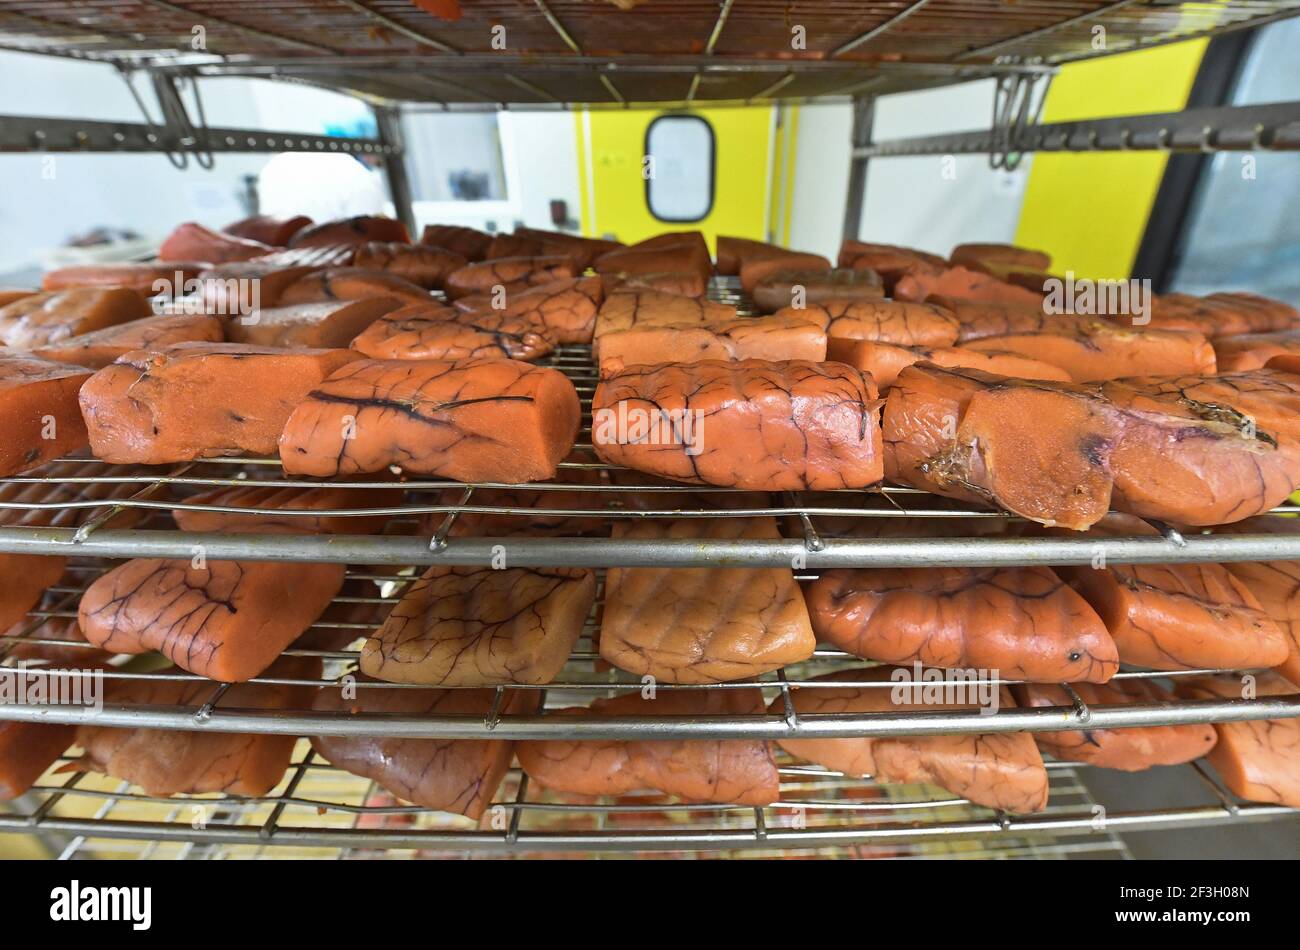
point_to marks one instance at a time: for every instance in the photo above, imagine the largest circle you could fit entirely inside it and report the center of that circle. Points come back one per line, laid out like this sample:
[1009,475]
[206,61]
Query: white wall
[539,159]
[909,201]
[49,198]
[821,178]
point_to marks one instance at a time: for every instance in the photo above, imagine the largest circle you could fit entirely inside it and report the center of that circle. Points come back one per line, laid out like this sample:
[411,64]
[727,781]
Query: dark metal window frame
[713,166]
[1164,241]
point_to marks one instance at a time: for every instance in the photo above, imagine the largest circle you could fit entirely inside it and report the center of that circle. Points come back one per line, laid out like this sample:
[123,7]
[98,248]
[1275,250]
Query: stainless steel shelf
[581,680]
[320,811]
[721,52]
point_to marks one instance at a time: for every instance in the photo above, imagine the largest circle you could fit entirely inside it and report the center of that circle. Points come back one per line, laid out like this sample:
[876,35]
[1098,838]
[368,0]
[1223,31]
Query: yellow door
[614,195]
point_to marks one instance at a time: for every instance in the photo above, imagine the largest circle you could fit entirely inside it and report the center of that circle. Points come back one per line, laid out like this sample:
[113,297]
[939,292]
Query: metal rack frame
[320,807]
[811,549]
[437,73]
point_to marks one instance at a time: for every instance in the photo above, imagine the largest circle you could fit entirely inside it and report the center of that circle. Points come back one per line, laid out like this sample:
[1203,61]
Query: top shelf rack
[553,52]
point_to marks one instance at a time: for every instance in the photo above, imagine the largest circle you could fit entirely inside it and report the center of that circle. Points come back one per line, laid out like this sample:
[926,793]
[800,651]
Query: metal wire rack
[423,529]
[320,811]
[550,52]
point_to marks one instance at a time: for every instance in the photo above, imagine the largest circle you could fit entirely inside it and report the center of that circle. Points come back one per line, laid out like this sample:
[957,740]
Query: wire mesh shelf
[320,811]
[553,52]
[74,508]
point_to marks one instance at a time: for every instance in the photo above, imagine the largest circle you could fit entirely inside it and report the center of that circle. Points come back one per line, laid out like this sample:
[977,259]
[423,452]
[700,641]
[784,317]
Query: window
[1243,229]
[679,168]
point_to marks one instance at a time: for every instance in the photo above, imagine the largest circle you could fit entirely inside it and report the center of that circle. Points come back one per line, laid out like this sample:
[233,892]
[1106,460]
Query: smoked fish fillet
[1258,760]
[1249,351]
[977,319]
[102,347]
[1177,449]
[767,426]
[324,326]
[885,321]
[566,308]
[626,310]
[889,261]
[269,501]
[1275,584]
[429,267]
[729,771]
[192,241]
[173,762]
[754,272]
[583,250]
[435,332]
[238,289]
[1129,750]
[45,318]
[38,408]
[1177,616]
[27,750]
[478,420]
[359,229]
[779,289]
[775,337]
[1222,314]
[478,626]
[1002,770]
[734,252]
[679,283]
[884,361]
[682,252]
[147,279]
[703,625]
[1097,350]
[455,775]
[351,283]
[923,283]
[1205,450]
[1023,622]
[25,577]
[483,276]
[227,621]
[1001,255]
[268,229]
[469,243]
[199,400]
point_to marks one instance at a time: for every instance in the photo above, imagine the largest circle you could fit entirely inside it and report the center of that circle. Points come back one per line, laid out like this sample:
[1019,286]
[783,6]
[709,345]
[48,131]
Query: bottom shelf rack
[322,812]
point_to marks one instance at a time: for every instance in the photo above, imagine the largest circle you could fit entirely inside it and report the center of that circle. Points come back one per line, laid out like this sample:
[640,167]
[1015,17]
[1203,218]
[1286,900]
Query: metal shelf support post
[389,121]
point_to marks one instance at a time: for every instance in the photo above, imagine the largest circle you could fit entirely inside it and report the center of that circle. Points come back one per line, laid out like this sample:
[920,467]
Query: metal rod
[875,31]
[772,726]
[558,27]
[422,38]
[205,17]
[658,840]
[996,551]
[724,11]
[1043,31]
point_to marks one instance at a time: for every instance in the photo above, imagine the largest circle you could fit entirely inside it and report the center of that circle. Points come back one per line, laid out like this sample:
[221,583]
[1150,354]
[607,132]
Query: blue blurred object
[363,127]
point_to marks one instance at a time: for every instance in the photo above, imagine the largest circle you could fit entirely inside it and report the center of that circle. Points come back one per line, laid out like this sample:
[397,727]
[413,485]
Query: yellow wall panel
[1089,211]
[615,147]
